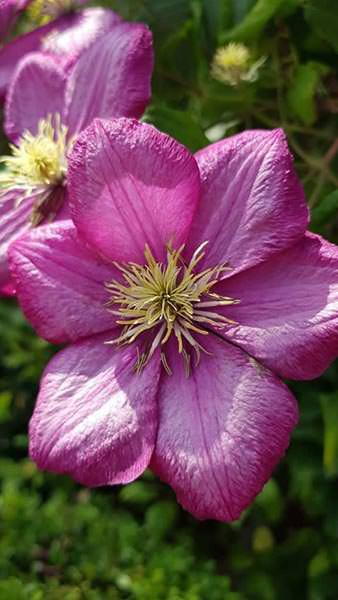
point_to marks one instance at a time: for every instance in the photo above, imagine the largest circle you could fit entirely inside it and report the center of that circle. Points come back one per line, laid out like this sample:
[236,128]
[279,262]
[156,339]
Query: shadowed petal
[252,204]
[14,51]
[60,283]
[65,38]
[288,311]
[95,419]
[14,221]
[130,185]
[112,78]
[221,431]
[36,91]
[74,33]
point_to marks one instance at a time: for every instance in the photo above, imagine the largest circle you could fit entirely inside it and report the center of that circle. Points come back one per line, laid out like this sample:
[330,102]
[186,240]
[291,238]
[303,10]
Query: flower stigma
[169,299]
[37,167]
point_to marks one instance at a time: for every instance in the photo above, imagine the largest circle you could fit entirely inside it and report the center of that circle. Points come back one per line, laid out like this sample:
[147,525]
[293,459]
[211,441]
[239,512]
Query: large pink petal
[60,283]
[36,91]
[288,311]
[252,204]
[112,78]
[130,185]
[221,431]
[95,418]
[65,38]
[14,221]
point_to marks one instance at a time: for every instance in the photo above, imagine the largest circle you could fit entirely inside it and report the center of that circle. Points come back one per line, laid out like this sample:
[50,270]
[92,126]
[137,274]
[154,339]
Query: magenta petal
[130,185]
[288,311]
[74,33]
[65,38]
[95,419]
[252,204]
[12,53]
[221,431]
[60,283]
[7,289]
[36,91]
[112,78]
[14,221]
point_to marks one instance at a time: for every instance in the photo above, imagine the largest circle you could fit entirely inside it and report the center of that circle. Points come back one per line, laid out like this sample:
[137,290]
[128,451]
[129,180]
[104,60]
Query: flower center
[37,166]
[43,11]
[171,299]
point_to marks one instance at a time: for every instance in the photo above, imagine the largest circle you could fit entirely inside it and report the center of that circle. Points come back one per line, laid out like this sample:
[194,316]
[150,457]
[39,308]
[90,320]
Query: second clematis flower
[186,289]
[66,35]
[45,111]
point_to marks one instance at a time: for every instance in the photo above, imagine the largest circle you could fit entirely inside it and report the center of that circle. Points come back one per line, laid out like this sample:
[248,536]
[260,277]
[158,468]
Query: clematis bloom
[64,37]
[45,111]
[186,288]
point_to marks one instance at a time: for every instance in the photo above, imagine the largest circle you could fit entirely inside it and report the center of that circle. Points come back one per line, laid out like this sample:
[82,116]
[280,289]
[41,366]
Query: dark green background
[61,541]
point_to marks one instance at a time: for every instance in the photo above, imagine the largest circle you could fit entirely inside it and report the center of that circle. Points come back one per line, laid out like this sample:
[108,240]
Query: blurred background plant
[59,540]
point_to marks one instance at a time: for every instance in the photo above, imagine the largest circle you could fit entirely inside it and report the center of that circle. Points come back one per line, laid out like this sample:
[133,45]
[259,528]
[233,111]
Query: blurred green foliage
[58,540]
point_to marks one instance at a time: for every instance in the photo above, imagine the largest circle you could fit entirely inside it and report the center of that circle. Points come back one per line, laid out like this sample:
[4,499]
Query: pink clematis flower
[45,111]
[64,37]
[186,289]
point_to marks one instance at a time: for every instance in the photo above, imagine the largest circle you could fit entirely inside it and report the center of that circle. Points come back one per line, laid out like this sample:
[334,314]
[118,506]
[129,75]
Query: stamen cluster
[170,299]
[38,163]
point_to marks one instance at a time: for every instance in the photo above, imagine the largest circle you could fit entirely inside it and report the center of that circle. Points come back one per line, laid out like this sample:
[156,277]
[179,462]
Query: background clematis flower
[65,37]
[186,289]
[45,110]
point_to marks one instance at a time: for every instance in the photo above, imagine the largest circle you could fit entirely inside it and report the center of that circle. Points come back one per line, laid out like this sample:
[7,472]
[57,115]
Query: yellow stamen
[38,164]
[43,11]
[170,299]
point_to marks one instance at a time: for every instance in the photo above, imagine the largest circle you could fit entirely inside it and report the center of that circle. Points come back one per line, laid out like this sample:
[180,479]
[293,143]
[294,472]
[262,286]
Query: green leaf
[241,8]
[160,15]
[329,405]
[160,518]
[322,16]
[165,15]
[179,124]
[301,96]
[5,402]
[271,501]
[327,209]
[216,15]
[139,492]
[255,20]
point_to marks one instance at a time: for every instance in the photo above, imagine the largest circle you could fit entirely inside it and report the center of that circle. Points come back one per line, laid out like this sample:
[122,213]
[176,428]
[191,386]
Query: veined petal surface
[36,91]
[252,204]
[14,221]
[221,431]
[287,316]
[131,185]
[64,38]
[60,283]
[112,78]
[95,419]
